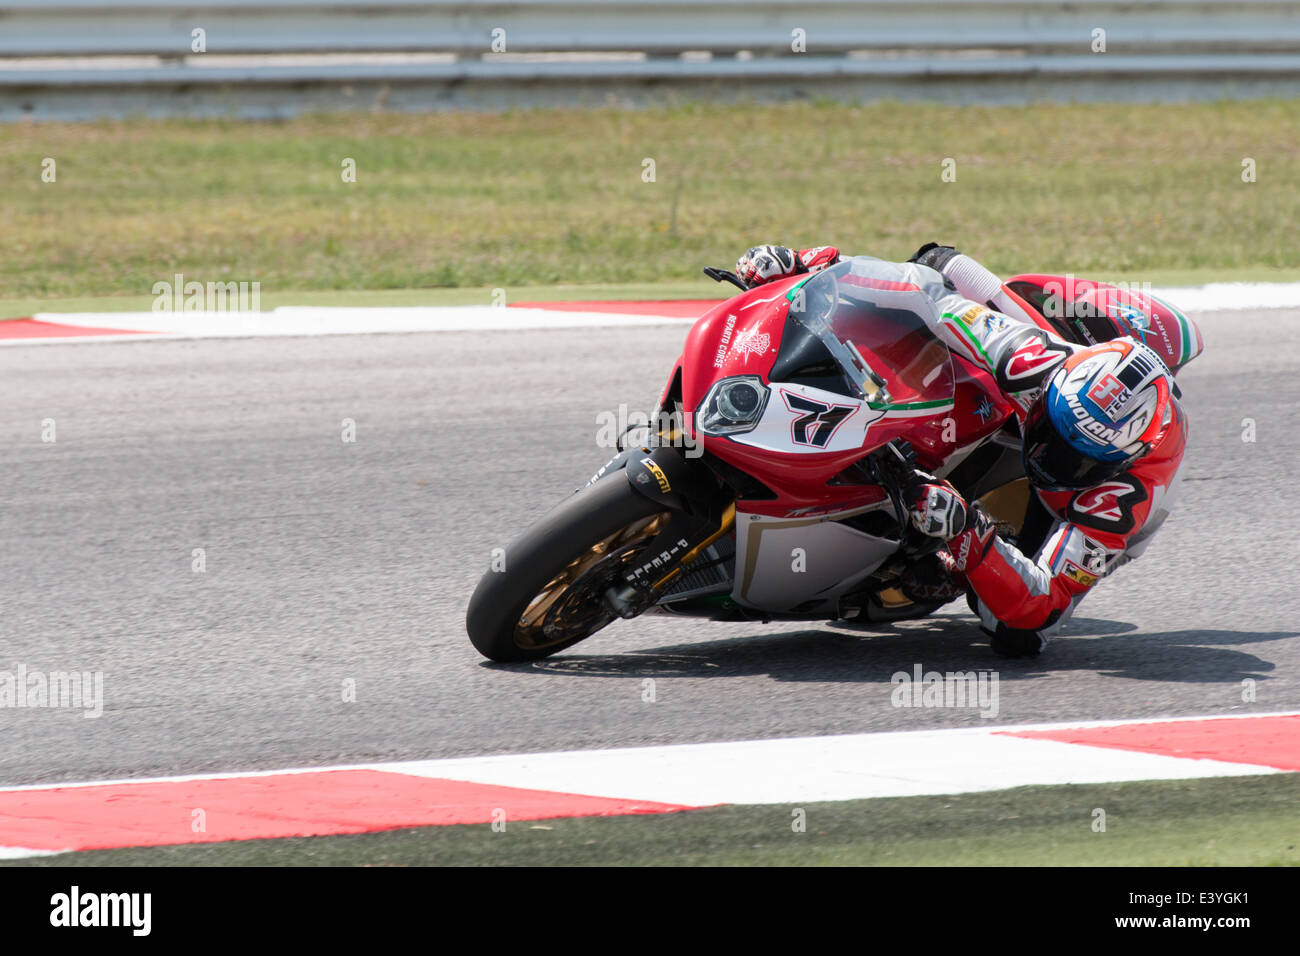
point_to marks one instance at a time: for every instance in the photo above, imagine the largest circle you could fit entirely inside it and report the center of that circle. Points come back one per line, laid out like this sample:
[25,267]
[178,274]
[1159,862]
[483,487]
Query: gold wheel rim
[530,630]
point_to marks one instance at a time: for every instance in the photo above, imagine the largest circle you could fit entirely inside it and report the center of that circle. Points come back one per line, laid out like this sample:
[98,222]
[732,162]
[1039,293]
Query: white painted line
[22,852]
[857,757]
[347,321]
[826,768]
[1233,296]
[322,320]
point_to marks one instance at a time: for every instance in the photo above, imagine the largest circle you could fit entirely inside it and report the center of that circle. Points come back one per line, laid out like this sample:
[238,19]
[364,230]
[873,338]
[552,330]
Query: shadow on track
[839,654]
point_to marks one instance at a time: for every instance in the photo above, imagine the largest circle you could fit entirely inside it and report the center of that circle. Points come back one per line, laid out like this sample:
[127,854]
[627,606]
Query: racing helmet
[1104,408]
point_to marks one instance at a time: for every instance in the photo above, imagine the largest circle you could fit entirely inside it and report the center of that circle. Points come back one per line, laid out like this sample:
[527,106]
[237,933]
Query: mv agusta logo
[817,421]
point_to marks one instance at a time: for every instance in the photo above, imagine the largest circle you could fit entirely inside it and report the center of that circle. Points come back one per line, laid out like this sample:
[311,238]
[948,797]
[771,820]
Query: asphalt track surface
[329,561]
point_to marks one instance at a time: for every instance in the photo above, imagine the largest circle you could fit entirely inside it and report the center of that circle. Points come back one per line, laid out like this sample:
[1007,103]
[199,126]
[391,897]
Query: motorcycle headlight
[732,406]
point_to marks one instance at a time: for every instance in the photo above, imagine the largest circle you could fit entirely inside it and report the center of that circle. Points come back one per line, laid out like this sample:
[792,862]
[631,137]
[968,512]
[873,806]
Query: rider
[1103,436]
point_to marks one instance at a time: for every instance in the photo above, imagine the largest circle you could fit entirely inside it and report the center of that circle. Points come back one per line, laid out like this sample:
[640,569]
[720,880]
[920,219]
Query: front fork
[701,510]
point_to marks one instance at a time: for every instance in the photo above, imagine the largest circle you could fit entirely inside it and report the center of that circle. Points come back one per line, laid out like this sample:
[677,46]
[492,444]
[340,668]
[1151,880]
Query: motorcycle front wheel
[548,594]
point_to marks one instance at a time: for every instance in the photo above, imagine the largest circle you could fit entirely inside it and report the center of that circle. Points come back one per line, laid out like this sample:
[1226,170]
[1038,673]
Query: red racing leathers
[1024,591]
[1071,539]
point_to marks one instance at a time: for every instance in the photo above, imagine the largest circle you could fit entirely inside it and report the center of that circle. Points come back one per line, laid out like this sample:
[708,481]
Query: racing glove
[761,264]
[969,545]
[934,255]
[938,510]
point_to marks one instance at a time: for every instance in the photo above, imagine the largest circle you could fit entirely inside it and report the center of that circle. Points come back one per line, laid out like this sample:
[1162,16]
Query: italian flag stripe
[1185,329]
[964,330]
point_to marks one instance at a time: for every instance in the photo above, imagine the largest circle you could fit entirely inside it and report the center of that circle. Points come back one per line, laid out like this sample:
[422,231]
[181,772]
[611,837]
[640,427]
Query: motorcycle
[772,484]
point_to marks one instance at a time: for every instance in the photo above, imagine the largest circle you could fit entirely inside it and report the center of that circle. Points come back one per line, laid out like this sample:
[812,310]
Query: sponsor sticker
[1076,573]
[1130,317]
[724,342]
[658,472]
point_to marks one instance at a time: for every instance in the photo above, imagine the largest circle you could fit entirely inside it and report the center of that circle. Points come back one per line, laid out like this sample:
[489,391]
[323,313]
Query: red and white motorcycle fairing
[798,549]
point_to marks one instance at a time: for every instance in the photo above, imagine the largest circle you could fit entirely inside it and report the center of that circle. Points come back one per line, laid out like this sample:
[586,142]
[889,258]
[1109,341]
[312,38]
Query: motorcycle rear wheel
[549,594]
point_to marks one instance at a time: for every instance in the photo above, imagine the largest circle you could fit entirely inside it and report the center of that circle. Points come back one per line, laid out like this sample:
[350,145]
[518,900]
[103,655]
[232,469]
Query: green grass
[1243,821]
[539,197]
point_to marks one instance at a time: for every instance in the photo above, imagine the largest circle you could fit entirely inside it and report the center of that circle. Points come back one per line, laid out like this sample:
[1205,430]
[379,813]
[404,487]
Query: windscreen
[873,322]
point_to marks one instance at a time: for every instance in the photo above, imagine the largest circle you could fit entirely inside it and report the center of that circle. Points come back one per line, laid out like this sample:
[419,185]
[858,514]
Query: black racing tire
[608,514]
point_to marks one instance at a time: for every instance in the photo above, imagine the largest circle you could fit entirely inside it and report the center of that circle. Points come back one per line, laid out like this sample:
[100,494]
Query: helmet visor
[1053,464]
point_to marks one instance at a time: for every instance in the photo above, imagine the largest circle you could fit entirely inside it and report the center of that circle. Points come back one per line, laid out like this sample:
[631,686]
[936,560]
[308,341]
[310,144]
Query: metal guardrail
[527,52]
[163,27]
